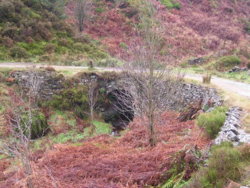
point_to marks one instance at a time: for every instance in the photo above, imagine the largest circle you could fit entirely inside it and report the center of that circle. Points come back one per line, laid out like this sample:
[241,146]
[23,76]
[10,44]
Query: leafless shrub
[82,10]
[148,83]
[20,119]
[92,86]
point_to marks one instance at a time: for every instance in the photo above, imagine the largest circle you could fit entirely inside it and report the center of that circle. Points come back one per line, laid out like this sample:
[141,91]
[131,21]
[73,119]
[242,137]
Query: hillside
[33,30]
[46,31]
[71,116]
[192,28]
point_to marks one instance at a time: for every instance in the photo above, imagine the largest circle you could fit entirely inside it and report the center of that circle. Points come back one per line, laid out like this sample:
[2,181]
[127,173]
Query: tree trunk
[92,129]
[152,140]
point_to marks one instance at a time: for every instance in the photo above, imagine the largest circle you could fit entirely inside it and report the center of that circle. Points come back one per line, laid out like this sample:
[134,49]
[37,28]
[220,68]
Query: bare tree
[82,10]
[150,83]
[92,86]
[20,120]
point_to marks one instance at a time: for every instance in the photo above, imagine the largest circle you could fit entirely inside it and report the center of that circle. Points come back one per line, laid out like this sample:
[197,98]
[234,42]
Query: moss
[39,125]
[71,99]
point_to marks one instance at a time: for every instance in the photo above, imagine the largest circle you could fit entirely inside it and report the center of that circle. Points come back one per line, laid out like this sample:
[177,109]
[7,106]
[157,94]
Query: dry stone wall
[52,83]
[231,131]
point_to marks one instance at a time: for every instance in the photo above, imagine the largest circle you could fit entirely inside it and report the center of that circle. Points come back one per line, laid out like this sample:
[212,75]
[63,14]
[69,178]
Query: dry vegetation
[106,161]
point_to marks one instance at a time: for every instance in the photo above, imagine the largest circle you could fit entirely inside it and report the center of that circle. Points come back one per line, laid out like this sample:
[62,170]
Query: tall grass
[212,121]
[225,164]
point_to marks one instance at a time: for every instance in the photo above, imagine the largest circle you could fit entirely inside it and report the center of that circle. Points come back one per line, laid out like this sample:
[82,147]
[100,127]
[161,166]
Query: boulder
[197,61]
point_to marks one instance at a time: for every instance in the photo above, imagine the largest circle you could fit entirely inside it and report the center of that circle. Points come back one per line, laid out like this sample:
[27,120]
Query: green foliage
[99,10]
[170,4]
[174,182]
[36,29]
[248,65]
[212,121]
[3,53]
[123,45]
[18,52]
[35,48]
[71,99]
[109,62]
[60,121]
[227,62]
[70,136]
[247,27]
[102,128]
[2,156]
[74,136]
[39,125]
[223,165]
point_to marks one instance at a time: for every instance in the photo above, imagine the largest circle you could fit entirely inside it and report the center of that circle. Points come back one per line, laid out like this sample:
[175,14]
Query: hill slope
[192,27]
[36,31]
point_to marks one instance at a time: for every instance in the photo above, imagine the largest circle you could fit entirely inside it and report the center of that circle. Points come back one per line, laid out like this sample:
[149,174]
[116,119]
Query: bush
[8,42]
[248,65]
[247,27]
[39,125]
[212,121]
[50,48]
[170,4]
[11,32]
[7,10]
[18,52]
[71,99]
[35,48]
[223,165]
[227,62]
[245,152]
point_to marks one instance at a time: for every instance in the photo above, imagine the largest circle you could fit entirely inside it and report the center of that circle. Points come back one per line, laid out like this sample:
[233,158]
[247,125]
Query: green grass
[74,136]
[70,136]
[212,121]
[2,156]
[224,164]
[100,128]
[236,76]
[227,62]
[170,4]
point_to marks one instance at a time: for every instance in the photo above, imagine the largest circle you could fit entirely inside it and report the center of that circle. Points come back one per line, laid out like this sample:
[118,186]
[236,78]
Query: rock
[233,184]
[130,12]
[51,82]
[238,69]
[197,61]
[124,5]
[231,130]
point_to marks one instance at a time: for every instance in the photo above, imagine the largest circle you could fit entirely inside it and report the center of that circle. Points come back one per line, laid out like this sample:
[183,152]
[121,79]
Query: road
[236,87]
[242,89]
